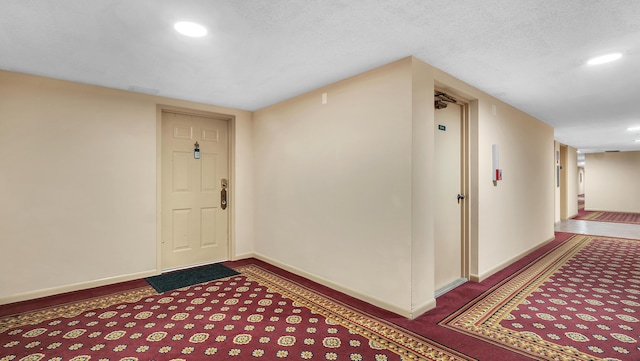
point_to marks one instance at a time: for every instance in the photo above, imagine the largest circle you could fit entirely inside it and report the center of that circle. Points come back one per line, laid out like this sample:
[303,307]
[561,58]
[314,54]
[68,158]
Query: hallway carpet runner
[580,301]
[257,315]
[616,217]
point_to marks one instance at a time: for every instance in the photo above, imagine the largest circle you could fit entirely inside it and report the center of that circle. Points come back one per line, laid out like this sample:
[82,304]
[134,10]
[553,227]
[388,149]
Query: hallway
[620,230]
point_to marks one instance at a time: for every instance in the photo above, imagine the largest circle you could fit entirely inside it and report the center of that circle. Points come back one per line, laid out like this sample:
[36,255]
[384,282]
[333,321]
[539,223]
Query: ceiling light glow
[190,29]
[604,59]
[633,129]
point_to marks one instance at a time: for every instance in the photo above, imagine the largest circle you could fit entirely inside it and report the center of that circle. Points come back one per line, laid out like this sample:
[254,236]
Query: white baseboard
[484,275]
[75,287]
[243,256]
[419,310]
[372,300]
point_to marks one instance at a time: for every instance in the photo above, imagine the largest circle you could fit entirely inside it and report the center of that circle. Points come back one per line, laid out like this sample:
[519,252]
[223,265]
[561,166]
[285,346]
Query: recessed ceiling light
[633,129]
[190,29]
[604,59]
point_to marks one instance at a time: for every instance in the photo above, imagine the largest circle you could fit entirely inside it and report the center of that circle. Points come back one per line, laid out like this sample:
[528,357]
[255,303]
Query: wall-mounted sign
[442,127]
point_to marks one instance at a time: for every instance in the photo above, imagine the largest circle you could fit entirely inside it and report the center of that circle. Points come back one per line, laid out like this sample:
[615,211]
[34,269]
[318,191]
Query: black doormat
[189,277]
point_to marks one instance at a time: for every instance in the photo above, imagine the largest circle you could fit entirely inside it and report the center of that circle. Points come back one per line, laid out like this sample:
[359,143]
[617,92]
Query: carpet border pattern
[74,309]
[396,339]
[481,317]
[595,215]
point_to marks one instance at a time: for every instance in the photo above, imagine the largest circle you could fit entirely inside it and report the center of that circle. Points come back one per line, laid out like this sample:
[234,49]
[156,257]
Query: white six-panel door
[194,225]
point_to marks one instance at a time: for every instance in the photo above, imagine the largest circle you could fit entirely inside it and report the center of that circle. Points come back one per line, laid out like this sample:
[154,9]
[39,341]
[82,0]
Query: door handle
[460,196]
[223,193]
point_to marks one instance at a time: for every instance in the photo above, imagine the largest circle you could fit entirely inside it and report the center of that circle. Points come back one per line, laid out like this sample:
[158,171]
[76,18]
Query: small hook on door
[196,151]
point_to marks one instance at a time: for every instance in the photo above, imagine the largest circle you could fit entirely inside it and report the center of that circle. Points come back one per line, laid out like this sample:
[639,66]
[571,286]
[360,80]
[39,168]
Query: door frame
[564,182]
[231,162]
[465,187]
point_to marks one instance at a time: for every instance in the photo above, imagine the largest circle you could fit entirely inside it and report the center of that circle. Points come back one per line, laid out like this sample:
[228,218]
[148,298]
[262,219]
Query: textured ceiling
[529,54]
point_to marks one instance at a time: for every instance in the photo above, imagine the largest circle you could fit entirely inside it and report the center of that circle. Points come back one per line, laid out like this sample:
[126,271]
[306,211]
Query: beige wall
[333,194]
[343,189]
[422,197]
[612,184]
[515,215]
[572,182]
[556,183]
[567,195]
[78,184]
[581,180]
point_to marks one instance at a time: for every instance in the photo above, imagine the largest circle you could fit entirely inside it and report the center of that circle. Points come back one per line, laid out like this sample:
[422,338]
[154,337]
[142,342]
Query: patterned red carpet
[581,301]
[616,217]
[256,315]
[577,298]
